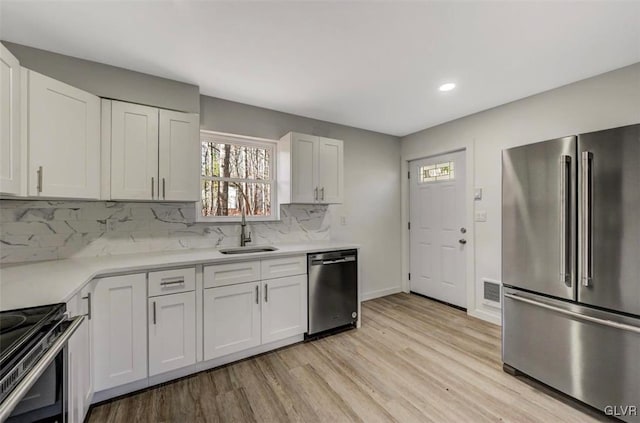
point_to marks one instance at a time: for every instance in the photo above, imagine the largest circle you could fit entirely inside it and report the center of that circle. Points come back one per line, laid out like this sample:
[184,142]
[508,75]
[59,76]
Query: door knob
[462,241]
[463,230]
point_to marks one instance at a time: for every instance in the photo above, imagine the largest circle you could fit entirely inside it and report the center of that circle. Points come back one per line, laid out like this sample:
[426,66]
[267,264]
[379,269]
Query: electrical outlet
[343,220]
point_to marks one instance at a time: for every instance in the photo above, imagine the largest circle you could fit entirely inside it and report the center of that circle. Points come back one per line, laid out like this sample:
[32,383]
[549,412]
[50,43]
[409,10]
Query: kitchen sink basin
[247,250]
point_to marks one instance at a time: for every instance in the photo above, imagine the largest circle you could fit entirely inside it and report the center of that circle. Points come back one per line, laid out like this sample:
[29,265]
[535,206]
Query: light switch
[481,216]
[477,194]
[343,220]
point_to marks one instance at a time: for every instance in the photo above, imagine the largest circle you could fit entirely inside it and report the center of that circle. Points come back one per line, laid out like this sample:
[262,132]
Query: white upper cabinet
[134,151]
[330,170]
[310,169]
[179,146]
[63,140]
[154,154]
[10,143]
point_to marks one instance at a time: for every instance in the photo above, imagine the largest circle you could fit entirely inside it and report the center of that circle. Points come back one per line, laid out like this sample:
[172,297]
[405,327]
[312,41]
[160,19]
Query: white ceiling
[372,65]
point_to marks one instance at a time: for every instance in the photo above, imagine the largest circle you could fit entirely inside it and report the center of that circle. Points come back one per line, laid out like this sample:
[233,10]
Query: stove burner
[10,322]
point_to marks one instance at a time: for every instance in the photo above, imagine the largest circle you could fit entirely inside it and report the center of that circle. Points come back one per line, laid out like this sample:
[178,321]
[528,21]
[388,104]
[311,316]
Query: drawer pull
[172,281]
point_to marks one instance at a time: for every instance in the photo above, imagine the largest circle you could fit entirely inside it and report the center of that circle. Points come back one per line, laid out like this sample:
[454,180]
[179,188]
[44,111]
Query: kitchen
[114,238]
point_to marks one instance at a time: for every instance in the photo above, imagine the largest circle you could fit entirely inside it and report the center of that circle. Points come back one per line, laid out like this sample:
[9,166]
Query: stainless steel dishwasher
[333,290]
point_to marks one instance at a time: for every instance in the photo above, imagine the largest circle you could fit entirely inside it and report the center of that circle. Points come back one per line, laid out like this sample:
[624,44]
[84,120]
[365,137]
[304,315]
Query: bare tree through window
[236,174]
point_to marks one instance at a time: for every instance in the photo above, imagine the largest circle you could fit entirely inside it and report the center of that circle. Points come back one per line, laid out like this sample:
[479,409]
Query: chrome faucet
[243,224]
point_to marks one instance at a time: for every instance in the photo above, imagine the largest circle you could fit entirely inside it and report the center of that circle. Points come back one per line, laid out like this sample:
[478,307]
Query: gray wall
[109,81]
[604,101]
[372,182]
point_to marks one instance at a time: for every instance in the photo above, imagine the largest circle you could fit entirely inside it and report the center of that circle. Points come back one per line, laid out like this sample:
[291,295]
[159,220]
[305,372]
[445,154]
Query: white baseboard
[494,318]
[381,293]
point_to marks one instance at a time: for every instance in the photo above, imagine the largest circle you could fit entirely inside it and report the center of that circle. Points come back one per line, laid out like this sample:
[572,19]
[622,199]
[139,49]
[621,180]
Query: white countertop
[49,282]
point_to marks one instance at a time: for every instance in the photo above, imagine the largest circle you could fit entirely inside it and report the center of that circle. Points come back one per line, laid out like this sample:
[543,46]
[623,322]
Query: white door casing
[437,218]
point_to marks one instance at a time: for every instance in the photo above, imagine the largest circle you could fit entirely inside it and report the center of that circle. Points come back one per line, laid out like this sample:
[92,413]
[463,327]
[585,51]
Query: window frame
[223,137]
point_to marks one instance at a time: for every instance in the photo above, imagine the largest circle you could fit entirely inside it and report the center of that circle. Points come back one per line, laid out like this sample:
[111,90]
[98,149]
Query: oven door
[42,394]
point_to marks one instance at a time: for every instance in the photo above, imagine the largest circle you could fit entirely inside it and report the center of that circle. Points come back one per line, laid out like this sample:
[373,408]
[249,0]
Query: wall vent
[491,291]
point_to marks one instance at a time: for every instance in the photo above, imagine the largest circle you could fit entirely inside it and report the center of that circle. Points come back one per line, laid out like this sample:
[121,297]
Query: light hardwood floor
[413,360]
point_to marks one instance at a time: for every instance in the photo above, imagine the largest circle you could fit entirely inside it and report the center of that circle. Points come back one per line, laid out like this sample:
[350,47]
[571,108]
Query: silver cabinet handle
[587,157]
[154,312]
[257,294]
[152,188]
[10,402]
[565,213]
[39,172]
[266,292]
[322,192]
[163,189]
[576,315]
[172,281]
[88,298]
[315,194]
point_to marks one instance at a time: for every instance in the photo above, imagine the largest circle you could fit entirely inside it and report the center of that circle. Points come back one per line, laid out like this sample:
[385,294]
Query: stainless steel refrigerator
[571,266]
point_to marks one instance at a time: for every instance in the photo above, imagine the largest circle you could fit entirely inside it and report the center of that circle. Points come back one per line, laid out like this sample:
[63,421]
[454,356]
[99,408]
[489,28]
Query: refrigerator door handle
[565,217]
[587,158]
[574,314]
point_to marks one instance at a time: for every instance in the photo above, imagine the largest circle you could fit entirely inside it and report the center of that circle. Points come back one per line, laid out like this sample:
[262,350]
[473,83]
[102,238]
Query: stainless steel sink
[247,250]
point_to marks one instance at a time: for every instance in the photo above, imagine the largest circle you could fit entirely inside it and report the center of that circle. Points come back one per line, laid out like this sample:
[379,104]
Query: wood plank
[413,360]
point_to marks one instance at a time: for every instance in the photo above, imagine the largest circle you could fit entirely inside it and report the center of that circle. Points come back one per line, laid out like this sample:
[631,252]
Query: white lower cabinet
[231,319]
[284,309]
[80,363]
[120,330]
[172,332]
[245,315]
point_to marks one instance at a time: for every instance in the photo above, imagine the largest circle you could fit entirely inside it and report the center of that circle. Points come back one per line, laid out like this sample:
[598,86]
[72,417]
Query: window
[437,172]
[237,172]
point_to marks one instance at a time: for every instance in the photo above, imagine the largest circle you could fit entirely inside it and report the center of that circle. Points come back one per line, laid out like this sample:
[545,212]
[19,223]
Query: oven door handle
[10,402]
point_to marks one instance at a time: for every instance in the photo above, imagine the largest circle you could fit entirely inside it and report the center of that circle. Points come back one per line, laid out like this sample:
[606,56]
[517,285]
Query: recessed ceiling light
[447,87]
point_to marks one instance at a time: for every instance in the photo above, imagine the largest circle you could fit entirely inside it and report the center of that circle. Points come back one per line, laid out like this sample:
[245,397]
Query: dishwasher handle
[346,259]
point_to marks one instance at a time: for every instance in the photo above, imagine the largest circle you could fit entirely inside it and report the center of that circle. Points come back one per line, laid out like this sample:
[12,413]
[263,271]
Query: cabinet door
[119,328]
[64,140]
[284,310]
[172,332]
[80,381]
[231,319]
[304,170]
[179,156]
[86,336]
[330,171]
[134,152]
[10,146]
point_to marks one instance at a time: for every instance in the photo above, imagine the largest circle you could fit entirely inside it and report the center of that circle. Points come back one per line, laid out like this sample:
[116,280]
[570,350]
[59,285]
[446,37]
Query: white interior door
[438,229]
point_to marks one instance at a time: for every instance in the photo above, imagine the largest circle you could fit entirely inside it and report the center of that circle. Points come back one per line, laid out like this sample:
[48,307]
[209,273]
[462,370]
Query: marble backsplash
[49,230]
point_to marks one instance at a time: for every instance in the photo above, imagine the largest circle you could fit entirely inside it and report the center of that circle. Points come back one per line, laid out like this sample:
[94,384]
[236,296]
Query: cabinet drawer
[231,273]
[172,281]
[284,266]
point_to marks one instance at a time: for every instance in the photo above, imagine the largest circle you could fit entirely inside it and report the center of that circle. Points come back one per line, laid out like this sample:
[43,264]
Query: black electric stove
[24,337]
